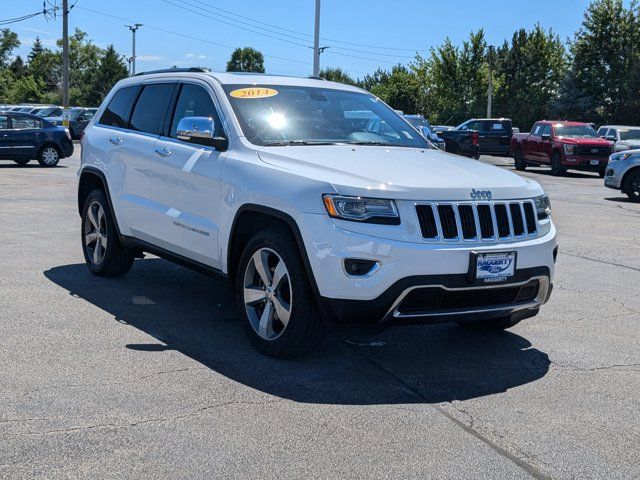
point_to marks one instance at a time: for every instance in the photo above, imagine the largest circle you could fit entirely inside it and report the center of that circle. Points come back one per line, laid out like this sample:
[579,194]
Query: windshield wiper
[285,143]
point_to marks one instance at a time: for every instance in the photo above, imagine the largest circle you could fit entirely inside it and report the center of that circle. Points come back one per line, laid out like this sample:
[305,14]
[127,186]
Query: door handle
[116,140]
[163,152]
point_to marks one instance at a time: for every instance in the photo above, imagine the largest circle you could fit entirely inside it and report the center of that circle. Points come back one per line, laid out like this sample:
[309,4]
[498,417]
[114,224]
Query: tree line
[594,76]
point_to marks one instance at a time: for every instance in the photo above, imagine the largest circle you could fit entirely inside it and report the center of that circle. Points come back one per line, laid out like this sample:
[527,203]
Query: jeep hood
[400,173]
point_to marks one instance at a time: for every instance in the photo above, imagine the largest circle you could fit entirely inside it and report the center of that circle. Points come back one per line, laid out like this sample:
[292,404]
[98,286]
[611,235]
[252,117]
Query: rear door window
[4,122]
[151,108]
[22,123]
[117,112]
[536,129]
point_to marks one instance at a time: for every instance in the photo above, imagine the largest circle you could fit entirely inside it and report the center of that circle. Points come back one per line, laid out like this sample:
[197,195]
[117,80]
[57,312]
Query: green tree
[8,43]
[246,59]
[337,75]
[603,84]
[17,67]
[111,69]
[399,89]
[36,50]
[25,90]
[529,73]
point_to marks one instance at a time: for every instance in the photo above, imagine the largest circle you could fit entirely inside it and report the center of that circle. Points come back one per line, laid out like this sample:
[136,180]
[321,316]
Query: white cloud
[151,58]
[199,56]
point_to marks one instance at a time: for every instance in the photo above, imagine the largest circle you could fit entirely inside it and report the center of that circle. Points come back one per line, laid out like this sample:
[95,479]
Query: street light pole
[316,42]
[490,90]
[65,58]
[133,29]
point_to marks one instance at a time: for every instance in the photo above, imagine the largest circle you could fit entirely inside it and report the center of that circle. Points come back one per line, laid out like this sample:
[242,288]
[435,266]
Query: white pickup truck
[282,186]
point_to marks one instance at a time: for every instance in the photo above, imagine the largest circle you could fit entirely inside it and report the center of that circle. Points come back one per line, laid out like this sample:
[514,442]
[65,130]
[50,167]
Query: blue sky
[204,34]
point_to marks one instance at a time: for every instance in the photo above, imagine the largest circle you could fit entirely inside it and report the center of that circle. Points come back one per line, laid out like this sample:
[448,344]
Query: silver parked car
[625,138]
[623,173]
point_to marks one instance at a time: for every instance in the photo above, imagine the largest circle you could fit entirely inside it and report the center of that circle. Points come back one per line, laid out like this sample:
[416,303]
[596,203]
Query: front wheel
[519,161]
[632,186]
[49,156]
[275,297]
[104,254]
[601,173]
[556,165]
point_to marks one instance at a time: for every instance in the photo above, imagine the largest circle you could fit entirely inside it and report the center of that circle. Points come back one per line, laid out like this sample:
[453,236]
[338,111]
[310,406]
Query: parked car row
[79,117]
[25,137]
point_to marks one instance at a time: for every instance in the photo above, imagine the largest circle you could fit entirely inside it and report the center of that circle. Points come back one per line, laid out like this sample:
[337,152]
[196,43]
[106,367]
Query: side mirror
[613,138]
[545,136]
[200,130]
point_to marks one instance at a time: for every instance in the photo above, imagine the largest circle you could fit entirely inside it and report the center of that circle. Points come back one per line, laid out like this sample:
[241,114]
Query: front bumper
[403,265]
[586,163]
[614,173]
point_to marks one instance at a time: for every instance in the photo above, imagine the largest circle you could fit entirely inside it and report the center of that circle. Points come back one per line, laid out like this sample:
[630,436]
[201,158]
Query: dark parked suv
[25,137]
[494,134]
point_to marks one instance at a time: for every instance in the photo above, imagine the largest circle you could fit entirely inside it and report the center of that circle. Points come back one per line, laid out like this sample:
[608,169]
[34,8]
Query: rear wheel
[22,161]
[556,165]
[275,297]
[104,254]
[49,156]
[632,186]
[519,161]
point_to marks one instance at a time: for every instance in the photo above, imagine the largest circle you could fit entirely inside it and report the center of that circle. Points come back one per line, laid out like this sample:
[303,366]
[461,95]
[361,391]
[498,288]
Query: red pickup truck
[562,145]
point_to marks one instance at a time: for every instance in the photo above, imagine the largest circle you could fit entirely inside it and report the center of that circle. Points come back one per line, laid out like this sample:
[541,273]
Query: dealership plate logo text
[494,266]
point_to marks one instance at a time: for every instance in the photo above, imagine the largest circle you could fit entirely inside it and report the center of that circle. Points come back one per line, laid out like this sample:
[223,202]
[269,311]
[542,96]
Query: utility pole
[490,90]
[316,42]
[133,29]
[65,61]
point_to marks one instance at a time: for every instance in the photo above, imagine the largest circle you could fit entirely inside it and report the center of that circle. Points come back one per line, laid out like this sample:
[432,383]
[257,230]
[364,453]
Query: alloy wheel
[267,294]
[635,187]
[95,233]
[50,156]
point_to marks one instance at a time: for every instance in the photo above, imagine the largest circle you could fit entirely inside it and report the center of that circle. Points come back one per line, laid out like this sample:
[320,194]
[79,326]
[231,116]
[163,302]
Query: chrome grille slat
[505,223]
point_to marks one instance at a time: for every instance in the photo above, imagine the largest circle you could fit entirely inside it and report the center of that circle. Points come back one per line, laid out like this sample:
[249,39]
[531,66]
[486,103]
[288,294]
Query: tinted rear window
[119,107]
[150,110]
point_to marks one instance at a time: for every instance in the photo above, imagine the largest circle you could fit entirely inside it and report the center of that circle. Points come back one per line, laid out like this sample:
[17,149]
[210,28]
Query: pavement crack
[576,368]
[613,264]
[119,426]
[517,460]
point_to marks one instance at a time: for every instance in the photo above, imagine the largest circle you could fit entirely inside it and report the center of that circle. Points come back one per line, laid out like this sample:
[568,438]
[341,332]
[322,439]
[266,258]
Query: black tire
[601,173]
[49,156]
[631,186]
[22,161]
[519,161]
[114,260]
[304,328]
[556,165]
[495,324]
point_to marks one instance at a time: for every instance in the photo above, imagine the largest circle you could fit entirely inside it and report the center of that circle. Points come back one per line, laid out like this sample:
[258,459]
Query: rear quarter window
[117,112]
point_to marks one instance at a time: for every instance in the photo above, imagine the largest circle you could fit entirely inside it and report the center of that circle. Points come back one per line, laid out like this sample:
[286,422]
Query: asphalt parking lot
[151,375]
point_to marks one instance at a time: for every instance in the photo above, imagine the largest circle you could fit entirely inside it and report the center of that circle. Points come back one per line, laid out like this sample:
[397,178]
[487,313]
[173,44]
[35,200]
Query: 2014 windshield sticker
[253,92]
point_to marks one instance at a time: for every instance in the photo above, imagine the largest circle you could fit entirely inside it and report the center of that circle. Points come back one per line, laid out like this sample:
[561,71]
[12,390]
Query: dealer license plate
[495,267]
[595,162]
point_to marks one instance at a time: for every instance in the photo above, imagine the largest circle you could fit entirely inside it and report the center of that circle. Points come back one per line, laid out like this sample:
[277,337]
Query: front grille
[430,300]
[477,221]
[593,151]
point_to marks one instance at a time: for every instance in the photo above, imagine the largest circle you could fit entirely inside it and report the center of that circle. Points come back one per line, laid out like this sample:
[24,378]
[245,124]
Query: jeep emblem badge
[481,194]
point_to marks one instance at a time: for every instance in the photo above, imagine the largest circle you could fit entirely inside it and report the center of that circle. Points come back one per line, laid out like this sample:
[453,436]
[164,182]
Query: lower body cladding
[404,282]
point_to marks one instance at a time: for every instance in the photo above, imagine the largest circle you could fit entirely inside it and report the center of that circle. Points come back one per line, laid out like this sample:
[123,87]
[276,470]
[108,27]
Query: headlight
[569,149]
[543,206]
[618,157]
[369,210]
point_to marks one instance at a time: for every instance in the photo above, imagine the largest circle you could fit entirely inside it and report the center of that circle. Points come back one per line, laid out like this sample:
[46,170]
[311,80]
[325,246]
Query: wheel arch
[90,179]
[251,218]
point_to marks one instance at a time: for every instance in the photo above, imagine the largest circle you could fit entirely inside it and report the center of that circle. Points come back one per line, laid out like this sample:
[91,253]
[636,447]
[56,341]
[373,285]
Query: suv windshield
[575,131]
[630,134]
[276,115]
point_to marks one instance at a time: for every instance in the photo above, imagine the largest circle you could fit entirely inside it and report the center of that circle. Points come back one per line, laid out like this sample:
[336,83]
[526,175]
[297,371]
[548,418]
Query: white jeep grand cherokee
[315,199]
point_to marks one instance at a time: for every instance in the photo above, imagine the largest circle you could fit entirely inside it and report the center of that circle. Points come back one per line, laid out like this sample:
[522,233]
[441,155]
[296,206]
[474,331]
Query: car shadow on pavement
[195,315]
[568,174]
[35,164]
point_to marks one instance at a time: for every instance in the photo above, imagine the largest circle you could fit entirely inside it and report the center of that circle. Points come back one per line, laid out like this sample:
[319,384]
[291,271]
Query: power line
[324,39]
[376,54]
[184,35]
[201,13]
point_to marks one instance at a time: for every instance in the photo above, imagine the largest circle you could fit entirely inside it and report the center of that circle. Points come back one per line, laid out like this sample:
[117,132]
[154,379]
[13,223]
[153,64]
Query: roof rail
[174,70]
[317,78]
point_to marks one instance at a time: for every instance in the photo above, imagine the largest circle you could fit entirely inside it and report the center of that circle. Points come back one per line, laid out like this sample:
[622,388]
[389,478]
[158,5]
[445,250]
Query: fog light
[360,268]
